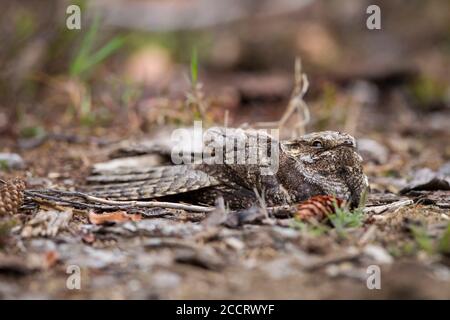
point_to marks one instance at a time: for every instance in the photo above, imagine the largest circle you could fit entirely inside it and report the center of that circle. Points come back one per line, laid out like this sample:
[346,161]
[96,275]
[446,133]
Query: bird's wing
[155,182]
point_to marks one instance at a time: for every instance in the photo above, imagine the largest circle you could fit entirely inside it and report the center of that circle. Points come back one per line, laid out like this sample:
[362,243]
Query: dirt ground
[179,255]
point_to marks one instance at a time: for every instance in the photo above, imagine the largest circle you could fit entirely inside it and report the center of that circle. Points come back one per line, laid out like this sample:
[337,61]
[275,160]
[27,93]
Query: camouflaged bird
[320,163]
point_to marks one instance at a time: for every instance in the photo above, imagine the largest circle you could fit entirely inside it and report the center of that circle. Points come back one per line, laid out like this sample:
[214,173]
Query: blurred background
[138,64]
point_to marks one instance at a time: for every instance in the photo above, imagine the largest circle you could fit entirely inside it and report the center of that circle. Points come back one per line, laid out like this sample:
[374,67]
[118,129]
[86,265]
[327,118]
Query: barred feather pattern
[318,207]
[156,182]
[11,196]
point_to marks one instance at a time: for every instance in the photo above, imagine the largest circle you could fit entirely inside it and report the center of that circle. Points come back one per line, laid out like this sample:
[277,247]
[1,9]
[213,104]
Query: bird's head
[329,160]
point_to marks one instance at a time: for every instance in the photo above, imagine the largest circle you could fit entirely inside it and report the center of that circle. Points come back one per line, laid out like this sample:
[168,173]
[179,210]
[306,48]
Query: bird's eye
[317,144]
[294,148]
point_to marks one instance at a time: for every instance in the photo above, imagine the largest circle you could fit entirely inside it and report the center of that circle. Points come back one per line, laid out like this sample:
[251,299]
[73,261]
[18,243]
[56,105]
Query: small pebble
[11,161]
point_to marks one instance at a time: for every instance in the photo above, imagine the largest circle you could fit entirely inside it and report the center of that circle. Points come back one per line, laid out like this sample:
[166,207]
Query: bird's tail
[150,183]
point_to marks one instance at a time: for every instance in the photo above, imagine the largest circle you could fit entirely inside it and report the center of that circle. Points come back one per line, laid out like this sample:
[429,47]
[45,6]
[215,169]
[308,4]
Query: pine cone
[318,207]
[11,196]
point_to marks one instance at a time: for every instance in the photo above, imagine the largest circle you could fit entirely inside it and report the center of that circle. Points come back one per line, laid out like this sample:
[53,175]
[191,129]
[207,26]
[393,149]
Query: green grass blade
[444,242]
[194,66]
[103,53]
[86,46]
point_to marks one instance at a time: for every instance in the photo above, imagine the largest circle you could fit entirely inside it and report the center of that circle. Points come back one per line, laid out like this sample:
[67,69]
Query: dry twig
[296,104]
[374,210]
[105,204]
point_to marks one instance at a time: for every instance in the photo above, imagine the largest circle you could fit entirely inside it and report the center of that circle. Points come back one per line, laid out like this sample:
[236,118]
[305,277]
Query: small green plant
[427,91]
[314,229]
[422,239]
[341,220]
[32,132]
[86,59]
[196,97]
[194,67]
[87,117]
[444,242]
[408,248]
[344,218]
[4,165]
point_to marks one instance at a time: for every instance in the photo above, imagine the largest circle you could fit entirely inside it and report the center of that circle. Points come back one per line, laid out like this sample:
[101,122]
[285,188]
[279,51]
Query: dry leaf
[51,258]
[108,217]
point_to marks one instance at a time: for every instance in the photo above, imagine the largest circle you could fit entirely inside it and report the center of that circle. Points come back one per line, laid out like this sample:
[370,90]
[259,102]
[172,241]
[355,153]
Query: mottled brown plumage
[321,163]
